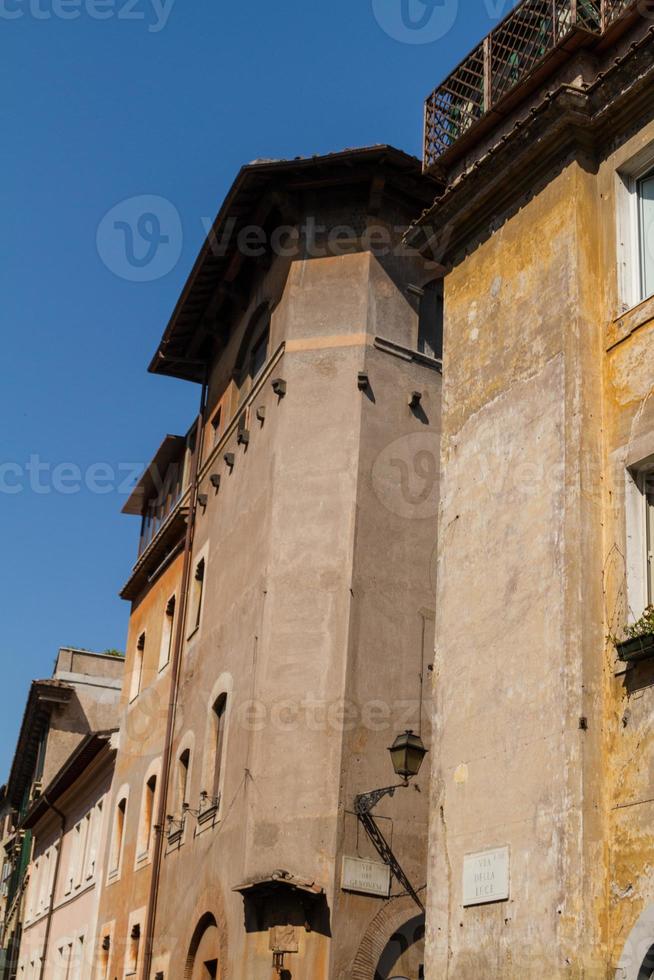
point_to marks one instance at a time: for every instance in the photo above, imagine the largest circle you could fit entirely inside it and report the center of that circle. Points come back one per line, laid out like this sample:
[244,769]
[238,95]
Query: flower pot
[640,648]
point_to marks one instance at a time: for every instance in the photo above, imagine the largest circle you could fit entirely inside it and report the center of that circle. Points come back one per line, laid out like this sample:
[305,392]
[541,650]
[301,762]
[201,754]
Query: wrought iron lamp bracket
[367,802]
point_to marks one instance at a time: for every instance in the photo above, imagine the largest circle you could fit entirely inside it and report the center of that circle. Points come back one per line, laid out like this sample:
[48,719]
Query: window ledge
[630,321]
[208,816]
[175,840]
[193,632]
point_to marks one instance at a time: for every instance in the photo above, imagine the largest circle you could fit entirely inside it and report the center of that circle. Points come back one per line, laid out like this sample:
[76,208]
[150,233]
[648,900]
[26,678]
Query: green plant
[642,627]
[114,653]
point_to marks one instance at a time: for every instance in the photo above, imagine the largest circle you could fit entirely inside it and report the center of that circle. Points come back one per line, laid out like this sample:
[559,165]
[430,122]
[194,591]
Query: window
[197,592]
[219,713]
[95,827]
[44,885]
[430,320]
[253,353]
[646,486]
[259,354]
[65,962]
[75,858]
[79,958]
[33,901]
[183,767]
[118,836]
[216,425]
[147,819]
[104,956]
[132,963]
[646,234]
[639,510]
[137,673]
[167,634]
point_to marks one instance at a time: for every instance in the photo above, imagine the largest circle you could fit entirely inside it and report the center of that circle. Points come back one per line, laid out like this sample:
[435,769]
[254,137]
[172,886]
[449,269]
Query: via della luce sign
[486,877]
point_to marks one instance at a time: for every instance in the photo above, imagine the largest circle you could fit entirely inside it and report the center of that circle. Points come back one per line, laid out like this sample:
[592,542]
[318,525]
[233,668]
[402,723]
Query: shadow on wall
[277,908]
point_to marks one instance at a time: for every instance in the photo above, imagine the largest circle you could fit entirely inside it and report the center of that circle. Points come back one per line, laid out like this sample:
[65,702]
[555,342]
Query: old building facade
[295,560]
[80,698]
[68,823]
[541,823]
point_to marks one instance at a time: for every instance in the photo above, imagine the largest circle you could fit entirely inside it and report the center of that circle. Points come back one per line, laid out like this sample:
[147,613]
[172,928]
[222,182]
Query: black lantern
[407,754]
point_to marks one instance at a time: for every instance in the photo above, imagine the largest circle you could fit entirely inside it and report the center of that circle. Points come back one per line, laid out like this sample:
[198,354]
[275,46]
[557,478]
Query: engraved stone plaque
[368,877]
[486,877]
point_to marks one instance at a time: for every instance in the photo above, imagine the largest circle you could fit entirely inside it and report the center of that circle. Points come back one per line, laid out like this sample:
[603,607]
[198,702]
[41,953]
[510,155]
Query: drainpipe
[174,686]
[48,927]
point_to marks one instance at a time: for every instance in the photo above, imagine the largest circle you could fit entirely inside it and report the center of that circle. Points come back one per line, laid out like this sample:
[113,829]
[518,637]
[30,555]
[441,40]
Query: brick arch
[209,909]
[385,924]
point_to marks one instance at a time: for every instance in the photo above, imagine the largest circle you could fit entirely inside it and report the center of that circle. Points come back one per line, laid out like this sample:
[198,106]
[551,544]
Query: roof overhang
[73,769]
[261,188]
[43,696]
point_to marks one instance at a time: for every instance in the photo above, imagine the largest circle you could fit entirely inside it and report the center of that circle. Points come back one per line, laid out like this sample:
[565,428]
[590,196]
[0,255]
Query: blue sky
[104,101]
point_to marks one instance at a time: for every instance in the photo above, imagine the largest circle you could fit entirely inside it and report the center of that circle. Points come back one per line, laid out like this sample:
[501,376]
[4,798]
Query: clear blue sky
[161,100]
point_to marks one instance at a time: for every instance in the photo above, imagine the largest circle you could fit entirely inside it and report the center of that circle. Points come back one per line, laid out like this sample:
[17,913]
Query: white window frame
[630,269]
[116,858]
[640,537]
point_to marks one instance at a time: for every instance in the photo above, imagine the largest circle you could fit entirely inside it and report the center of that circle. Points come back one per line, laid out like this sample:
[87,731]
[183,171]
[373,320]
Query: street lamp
[407,755]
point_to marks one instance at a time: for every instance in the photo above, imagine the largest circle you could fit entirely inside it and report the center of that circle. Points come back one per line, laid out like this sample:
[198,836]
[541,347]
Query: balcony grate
[509,55]
[455,106]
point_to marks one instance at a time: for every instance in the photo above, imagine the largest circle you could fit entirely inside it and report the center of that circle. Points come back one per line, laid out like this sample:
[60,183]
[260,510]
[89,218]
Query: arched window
[197,592]
[147,818]
[137,669]
[167,633]
[118,835]
[183,768]
[430,320]
[219,721]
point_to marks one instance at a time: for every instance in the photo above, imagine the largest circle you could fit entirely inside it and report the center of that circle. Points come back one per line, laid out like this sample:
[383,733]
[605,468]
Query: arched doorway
[403,957]
[203,960]
[647,969]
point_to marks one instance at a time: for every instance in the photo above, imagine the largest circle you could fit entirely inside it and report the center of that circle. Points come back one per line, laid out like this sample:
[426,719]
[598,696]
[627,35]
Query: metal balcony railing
[510,54]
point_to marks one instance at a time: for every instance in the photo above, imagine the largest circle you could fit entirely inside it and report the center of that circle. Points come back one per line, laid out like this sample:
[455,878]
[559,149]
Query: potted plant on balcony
[639,642]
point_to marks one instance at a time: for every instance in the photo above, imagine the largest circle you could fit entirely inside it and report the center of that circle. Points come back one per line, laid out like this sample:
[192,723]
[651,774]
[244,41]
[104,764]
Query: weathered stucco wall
[519,605]
[318,602]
